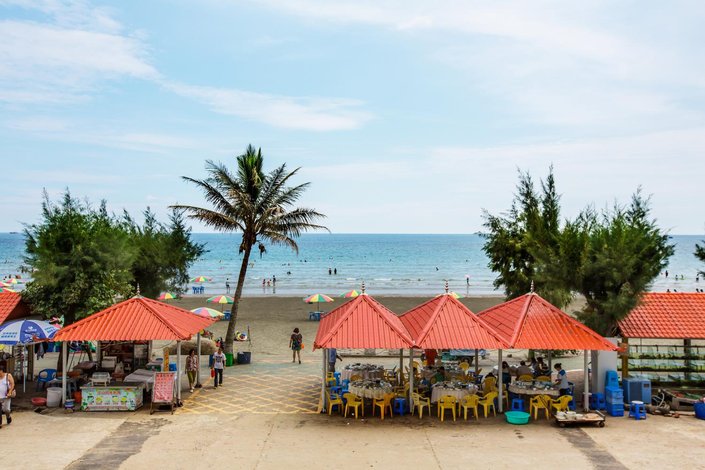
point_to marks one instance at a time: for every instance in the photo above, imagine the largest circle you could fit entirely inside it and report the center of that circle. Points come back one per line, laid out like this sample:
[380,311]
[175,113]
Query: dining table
[365,371]
[458,390]
[371,389]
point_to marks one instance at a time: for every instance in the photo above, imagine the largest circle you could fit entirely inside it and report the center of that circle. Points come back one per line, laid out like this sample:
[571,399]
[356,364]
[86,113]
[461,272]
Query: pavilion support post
[322,401]
[411,378]
[586,385]
[401,367]
[500,397]
[198,353]
[686,352]
[64,374]
[550,362]
[178,372]
[625,358]
[477,362]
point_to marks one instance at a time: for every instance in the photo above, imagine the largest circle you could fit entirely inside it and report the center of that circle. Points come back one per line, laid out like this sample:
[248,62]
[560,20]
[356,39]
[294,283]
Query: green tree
[164,253]
[80,260]
[523,244]
[257,204]
[700,254]
[624,252]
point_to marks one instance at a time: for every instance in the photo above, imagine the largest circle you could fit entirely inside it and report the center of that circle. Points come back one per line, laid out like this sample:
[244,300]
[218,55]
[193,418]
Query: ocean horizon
[389,264]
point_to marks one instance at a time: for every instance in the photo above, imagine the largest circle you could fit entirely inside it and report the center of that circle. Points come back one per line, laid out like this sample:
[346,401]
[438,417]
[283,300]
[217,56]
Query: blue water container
[611,379]
[614,395]
[614,409]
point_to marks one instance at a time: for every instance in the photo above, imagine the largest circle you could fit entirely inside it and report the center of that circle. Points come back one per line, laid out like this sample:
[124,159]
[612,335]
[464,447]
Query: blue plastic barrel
[699,409]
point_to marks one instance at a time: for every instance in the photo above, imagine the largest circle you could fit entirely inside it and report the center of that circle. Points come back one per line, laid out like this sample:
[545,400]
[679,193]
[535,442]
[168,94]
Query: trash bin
[244,357]
[699,409]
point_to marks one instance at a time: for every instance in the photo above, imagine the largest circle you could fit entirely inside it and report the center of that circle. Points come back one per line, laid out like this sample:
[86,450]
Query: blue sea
[409,265]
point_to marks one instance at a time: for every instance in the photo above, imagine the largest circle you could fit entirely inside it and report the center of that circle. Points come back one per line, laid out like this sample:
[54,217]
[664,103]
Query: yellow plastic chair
[470,402]
[464,366]
[420,403]
[561,403]
[354,402]
[334,400]
[487,403]
[355,378]
[383,404]
[543,378]
[537,404]
[489,385]
[526,378]
[447,402]
[330,380]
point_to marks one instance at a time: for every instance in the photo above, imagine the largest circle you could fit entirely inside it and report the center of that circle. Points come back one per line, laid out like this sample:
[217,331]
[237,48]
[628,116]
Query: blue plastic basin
[517,417]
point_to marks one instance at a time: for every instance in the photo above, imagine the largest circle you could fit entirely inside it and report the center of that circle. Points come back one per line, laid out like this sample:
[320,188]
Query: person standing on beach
[295,343]
[191,368]
[227,286]
[7,391]
[218,365]
[335,271]
[330,271]
[274,280]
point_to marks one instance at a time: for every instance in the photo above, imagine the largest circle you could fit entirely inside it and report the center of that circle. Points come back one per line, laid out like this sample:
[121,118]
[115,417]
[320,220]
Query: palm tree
[257,204]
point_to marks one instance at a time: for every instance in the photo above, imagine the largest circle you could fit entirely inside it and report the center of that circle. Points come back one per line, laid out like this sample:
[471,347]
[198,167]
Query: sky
[405,116]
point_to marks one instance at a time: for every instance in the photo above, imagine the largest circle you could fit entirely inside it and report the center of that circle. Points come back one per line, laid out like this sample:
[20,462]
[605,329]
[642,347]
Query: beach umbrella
[167,296]
[455,295]
[220,299]
[12,280]
[207,312]
[317,299]
[5,284]
[26,331]
[351,294]
[201,279]
[6,289]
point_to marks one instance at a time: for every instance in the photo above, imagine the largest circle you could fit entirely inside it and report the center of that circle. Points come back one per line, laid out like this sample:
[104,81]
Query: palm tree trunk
[230,335]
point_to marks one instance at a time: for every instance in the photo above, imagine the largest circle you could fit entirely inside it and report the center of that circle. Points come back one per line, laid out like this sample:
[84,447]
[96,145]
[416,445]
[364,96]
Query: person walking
[191,368]
[218,365]
[295,343]
[7,391]
[332,358]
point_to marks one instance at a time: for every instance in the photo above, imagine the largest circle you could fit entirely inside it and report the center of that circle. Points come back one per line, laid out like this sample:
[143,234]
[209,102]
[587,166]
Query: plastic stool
[597,401]
[517,404]
[400,406]
[637,410]
[571,404]
[337,377]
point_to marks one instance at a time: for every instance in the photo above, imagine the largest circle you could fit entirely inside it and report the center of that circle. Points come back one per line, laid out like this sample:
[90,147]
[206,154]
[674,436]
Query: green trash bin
[229,359]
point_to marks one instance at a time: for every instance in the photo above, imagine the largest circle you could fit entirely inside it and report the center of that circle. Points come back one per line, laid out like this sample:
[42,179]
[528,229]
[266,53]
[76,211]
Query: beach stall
[445,323]
[128,327]
[361,323]
[664,345]
[531,322]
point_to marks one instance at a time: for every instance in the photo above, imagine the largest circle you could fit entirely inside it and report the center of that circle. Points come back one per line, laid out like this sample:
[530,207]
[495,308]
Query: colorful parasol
[5,284]
[317,299]
[220,299]
[455,295]
[167,296]
[201,279]
[12,280]
[207,312]
[351,294]
[26,331]
[6,289]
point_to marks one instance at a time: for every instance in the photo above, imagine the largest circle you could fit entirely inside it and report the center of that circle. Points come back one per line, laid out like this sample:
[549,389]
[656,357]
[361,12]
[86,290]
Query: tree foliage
[700,254]
[257,204]
[83,259]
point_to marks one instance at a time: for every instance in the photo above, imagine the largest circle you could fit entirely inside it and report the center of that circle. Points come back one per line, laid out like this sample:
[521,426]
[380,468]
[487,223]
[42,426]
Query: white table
[376,392]
[141,376]
[438,391]
[552,392]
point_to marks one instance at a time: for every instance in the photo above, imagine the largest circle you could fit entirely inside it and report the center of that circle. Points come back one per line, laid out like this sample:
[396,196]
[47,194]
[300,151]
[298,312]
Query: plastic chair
[489,384]
[446,402]
[420,403]
[45,376]
[543,378]
[487,403]
[537,404]
[561,403]
[383,404]
[525,378]
[470,402]
[355,378]
[354,402]
[330,380]
[464,366]
[334,400]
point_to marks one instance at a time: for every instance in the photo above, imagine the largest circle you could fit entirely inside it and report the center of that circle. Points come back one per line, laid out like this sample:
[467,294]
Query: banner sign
[163,391]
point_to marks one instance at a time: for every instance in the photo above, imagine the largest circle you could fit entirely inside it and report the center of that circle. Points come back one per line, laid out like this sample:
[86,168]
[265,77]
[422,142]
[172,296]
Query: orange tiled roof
[445,323]
[136,319]
[530,322]
[362,323]
[12,306]
[667,315]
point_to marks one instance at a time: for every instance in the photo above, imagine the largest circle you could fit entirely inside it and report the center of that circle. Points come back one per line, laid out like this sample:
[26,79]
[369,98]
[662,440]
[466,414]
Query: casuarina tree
[259,205]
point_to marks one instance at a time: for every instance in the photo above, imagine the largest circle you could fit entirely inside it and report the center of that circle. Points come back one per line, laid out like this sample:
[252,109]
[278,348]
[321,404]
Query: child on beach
[295,343]
[218,365]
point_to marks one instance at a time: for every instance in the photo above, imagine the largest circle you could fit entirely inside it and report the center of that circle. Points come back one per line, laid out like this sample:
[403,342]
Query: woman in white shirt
[7,391]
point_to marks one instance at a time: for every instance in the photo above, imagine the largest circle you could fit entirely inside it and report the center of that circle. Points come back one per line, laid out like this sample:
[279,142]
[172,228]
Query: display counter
[112,397]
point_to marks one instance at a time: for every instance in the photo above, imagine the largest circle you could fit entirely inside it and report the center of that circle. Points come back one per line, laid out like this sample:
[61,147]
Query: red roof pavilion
[530,322]
[362,323]
[136,319]
[12,307]
[445,323]
[666,315]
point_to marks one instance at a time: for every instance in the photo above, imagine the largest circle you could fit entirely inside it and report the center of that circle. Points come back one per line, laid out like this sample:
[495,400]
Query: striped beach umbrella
[26,331]
[207,312]
[317,299]
[12,280]
[167,296]
[6,289]
[201,279]
[220,299]
[351,294]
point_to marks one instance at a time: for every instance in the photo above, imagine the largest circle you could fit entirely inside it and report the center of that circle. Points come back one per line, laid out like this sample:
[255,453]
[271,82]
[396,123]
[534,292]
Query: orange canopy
[136,319]
[445,323]
[12,306]
[669,315]
[362,323]
[530,322]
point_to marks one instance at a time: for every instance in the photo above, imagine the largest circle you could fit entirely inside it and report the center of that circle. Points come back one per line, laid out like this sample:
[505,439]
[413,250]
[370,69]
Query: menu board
[111,398]
[163,391]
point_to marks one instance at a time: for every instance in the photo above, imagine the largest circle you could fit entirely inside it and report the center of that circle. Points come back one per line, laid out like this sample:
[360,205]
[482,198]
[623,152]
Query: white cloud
[306,113]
